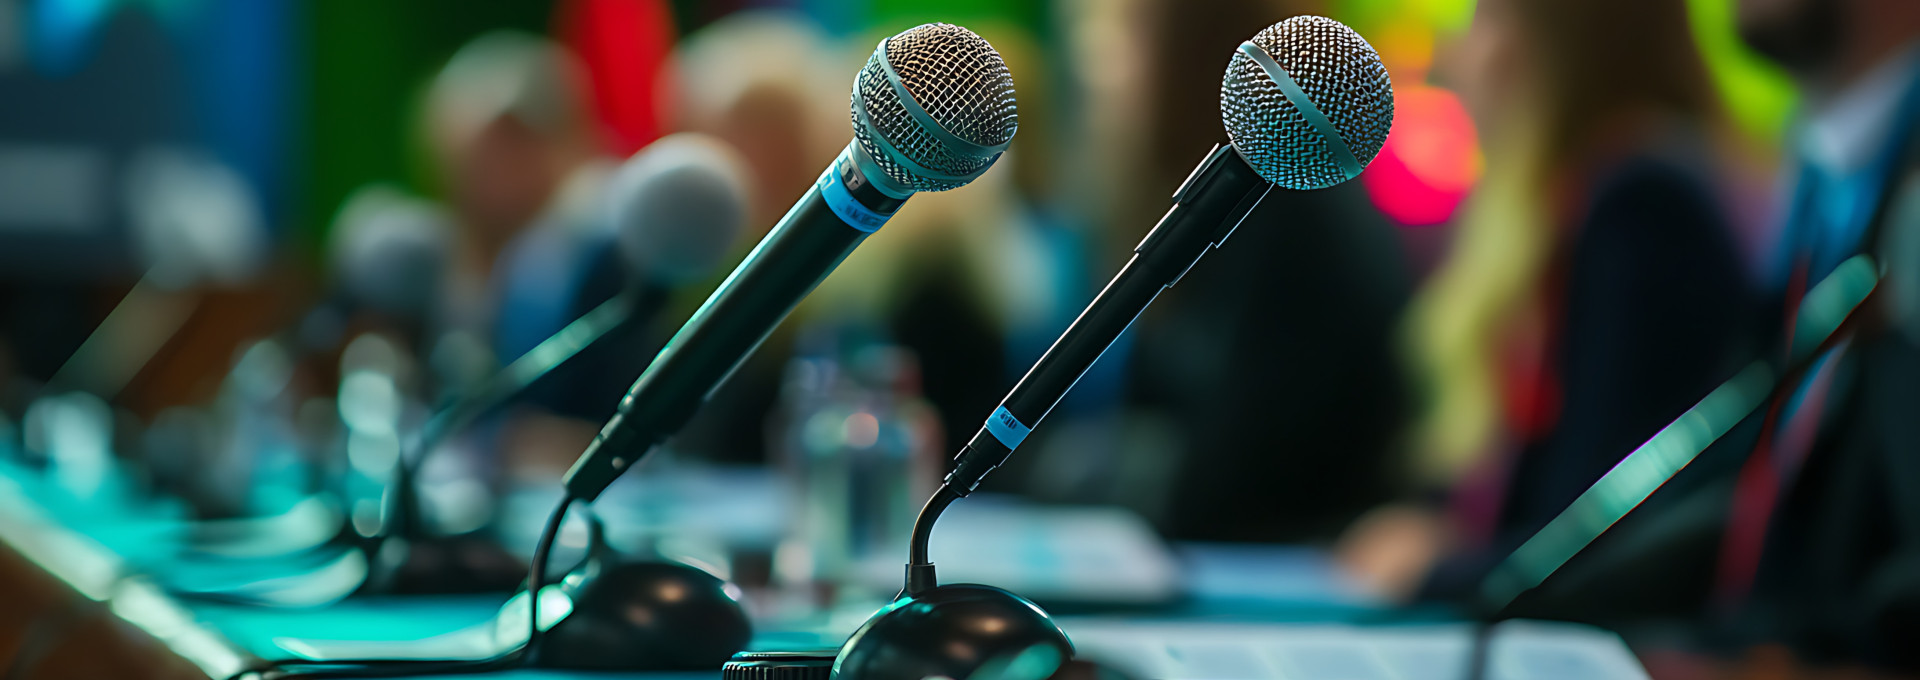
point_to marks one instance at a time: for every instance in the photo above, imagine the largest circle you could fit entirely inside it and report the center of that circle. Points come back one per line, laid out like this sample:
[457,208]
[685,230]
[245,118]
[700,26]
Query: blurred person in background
[1823,550]
[1592,293]
[523,169]
[774,86]
[527,133]
[517,156]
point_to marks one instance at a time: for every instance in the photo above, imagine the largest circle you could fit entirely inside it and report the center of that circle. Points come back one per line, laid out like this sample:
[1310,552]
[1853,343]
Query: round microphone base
[949,631]
[647,616]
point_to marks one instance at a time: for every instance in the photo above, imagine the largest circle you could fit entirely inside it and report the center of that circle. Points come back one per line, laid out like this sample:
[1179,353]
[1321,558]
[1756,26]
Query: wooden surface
[48,631]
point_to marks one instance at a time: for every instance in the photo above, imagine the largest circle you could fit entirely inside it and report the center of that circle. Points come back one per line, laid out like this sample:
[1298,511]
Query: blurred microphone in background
[419,483]
[664,220]
[676,211]
[521,168]
[662,223]
[550,229]
[387,252]
[388,255]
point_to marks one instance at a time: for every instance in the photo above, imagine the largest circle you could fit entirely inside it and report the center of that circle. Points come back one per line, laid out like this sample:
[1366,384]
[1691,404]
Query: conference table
[1151,609]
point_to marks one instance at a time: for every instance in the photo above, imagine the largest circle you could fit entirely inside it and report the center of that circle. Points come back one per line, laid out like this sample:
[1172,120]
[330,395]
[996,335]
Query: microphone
[932,109]
[680,200]
[389,252]
[1306,104]
[676,207]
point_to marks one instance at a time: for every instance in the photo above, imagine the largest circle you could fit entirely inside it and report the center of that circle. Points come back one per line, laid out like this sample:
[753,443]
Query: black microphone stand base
[647,616]
[947,631]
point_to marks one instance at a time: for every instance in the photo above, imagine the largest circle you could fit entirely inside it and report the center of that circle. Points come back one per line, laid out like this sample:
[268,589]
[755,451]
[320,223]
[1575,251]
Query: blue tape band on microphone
[1349,165]
[1006,428]
[844,205]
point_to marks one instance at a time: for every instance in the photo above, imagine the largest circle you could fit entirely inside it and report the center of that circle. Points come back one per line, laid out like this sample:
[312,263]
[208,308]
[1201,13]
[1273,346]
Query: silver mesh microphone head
[1337,73]
[933,107]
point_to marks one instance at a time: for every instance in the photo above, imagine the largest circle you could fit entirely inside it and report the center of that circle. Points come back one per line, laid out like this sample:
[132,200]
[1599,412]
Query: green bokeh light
[1758,96]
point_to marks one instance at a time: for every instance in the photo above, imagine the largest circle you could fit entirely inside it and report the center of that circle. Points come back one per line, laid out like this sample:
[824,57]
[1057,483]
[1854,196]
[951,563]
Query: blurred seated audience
[1592,293]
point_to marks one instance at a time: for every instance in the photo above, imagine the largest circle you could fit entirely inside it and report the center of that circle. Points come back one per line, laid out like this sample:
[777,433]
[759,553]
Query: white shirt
[1840,144]
[1846,131]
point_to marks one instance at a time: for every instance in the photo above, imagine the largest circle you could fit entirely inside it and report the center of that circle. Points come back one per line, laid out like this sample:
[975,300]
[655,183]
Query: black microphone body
[835,215]
[1206,209]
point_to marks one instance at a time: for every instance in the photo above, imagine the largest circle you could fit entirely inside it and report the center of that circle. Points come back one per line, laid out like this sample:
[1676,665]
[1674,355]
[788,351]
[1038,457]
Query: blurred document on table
[1521,650]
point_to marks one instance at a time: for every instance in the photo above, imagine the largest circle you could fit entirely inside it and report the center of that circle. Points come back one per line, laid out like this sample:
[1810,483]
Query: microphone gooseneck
[920,572]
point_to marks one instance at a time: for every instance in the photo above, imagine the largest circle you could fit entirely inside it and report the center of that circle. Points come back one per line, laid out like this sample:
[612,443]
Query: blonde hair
[1593,64]
[1451,333]
[509,74]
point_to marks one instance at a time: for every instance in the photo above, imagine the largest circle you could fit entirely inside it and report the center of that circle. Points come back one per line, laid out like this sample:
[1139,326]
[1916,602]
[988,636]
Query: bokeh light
[1758,96]
[1431,159]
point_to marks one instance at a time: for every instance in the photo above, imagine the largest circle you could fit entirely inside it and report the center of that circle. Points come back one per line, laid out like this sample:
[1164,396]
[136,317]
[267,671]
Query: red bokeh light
[622,44]
[1430,161]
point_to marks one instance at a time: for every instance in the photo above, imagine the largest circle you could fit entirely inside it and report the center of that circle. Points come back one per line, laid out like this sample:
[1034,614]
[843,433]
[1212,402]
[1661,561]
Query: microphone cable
[312,669]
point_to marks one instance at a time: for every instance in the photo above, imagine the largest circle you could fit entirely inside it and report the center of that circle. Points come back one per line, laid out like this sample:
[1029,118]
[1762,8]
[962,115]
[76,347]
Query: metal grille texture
[964,87]
[1343,77]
